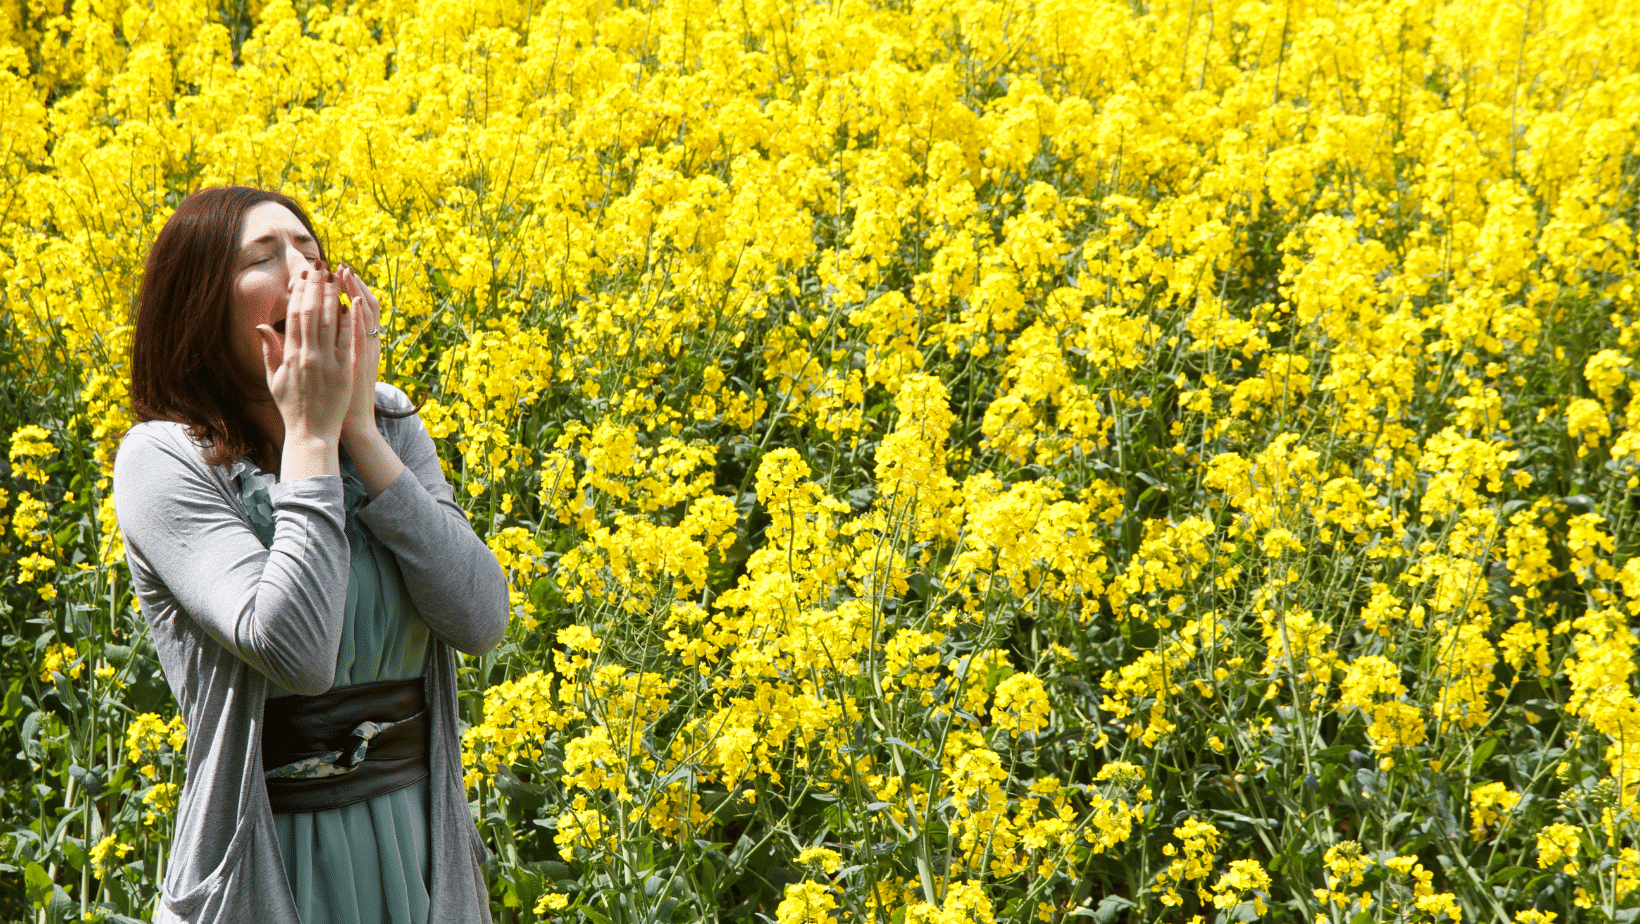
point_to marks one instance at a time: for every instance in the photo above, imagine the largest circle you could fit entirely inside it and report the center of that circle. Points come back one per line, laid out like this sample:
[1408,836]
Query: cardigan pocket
[189,901]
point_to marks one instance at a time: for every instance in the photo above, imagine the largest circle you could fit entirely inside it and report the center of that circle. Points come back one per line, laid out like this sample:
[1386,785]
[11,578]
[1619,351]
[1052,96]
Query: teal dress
[366,863]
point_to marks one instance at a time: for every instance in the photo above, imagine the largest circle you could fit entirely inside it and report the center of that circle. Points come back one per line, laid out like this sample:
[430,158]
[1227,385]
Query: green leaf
[45,894]
[1506,874]
[38,884]
[1109,908]
[1483,752]
[75,853]
[60,905]
[520,886]
[555,870]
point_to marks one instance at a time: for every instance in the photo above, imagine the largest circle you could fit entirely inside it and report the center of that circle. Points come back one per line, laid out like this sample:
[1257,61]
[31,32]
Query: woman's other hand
[365,320]
[379,466]
[313,383]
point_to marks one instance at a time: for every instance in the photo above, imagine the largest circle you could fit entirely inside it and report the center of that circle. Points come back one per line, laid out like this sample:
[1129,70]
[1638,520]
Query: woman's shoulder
[159,471]
[392,398]
[401,425]
[158,436]
[158,444]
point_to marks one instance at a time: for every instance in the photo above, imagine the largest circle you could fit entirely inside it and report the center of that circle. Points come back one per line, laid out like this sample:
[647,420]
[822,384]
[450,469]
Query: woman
[306,574]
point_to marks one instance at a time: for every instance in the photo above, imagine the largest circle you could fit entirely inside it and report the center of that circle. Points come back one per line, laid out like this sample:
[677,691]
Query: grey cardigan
[228,616]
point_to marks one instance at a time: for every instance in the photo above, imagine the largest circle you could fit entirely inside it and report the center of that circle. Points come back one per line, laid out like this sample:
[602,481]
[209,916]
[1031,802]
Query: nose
[295,263]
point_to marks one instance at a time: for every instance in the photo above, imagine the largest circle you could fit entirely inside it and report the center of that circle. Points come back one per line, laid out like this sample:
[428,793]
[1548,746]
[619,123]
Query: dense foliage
[956,460]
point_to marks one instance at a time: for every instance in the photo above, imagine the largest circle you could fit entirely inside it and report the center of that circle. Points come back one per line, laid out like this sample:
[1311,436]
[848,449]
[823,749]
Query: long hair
[182,368]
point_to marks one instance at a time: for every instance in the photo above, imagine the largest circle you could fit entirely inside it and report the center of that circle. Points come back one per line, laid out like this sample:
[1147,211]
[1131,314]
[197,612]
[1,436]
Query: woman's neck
[265,417]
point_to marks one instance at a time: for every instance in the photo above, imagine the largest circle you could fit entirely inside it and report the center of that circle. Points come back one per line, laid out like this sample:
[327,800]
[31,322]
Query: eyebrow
[269,238]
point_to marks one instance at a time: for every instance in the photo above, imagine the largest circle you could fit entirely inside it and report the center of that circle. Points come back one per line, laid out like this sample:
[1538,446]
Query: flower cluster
[952,461]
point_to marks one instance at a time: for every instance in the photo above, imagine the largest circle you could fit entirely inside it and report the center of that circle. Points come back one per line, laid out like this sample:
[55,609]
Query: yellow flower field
[956,460]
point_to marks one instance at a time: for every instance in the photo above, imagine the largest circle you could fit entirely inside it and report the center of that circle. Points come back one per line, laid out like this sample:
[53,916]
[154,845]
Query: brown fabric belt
[344,746]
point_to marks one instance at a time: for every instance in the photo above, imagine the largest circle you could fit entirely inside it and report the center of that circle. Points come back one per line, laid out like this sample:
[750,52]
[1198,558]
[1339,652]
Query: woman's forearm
[378,465]
[280,609]
[453,577]
[307,456]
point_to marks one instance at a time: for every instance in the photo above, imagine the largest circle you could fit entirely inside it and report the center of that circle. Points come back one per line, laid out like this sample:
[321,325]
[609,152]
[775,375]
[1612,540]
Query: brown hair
[181,366]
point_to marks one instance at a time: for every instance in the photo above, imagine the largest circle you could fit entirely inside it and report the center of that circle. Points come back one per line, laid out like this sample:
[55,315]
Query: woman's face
[274,248]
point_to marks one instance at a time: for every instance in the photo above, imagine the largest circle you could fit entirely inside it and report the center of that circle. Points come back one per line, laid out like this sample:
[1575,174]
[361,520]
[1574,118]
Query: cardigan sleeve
[278,609]
[453,578]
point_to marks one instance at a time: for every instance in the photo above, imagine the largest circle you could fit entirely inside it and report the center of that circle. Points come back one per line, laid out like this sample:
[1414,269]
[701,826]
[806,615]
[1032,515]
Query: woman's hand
[379,466]
[366,315]
[313,383]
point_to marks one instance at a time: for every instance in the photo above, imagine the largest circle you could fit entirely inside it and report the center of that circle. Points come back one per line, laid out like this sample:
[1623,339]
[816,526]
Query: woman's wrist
[305,455]
[378,465]
[355,434]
